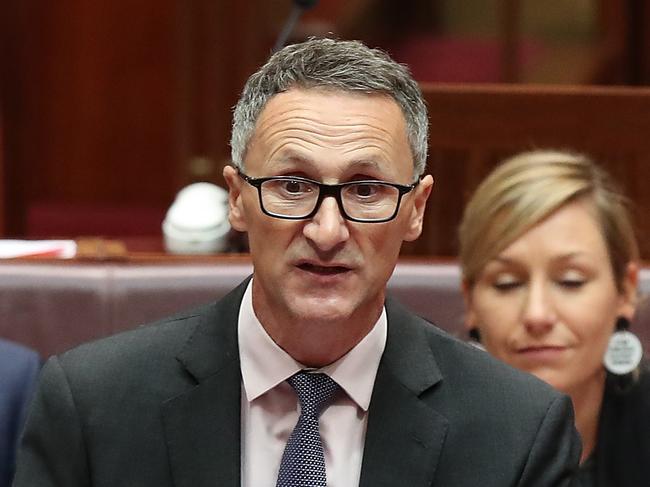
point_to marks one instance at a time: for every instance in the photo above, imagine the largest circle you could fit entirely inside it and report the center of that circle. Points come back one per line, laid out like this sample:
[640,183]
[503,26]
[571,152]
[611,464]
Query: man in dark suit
[19,368]
[305,374]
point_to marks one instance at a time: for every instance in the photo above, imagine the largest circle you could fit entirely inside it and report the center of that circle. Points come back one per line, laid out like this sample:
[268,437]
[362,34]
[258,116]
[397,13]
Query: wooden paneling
[116,103]
[94,107]
[112,103]
[12,14]
[474,127]
[2,183]
[222,43]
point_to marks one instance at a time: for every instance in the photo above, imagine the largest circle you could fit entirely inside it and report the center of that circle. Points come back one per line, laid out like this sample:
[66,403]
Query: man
[329,147]
[19,368]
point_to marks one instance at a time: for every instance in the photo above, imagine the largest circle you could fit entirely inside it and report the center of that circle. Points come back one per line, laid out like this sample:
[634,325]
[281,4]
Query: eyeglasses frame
[325,190]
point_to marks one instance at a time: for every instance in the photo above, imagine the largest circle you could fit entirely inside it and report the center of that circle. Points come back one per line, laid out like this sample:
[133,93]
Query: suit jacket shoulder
[158,405]
[163,403]
[445,413]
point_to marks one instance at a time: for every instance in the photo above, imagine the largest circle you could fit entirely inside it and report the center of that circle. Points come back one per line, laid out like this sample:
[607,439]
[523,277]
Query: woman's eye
[506,285]
[571,280]
[572,283]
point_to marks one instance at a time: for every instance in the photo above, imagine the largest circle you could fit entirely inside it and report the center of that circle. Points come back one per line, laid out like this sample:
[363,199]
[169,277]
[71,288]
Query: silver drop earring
[624,350]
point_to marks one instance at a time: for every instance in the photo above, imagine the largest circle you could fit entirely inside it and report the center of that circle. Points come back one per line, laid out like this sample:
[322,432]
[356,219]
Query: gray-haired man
[305,375]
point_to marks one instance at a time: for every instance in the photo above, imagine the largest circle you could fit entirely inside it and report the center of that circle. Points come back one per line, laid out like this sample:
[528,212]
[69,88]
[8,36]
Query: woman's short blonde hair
[527,188]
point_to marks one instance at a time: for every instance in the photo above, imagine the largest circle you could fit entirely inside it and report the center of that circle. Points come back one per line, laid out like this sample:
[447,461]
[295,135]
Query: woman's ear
[236,214]
[470,316]
[629,291]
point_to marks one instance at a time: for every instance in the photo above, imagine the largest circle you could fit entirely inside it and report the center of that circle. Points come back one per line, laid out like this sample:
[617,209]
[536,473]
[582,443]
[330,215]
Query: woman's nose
[539,314]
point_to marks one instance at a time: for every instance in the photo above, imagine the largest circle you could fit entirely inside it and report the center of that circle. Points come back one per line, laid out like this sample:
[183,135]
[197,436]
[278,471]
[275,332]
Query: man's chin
[326,309]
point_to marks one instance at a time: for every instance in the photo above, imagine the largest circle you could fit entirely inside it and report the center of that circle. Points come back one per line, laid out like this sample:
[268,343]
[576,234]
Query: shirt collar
[264,364]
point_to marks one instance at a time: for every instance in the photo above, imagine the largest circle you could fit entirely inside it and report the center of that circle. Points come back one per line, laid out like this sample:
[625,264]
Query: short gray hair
[341,65]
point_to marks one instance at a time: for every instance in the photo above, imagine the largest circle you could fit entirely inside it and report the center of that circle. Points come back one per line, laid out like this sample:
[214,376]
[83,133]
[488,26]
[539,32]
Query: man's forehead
[335,106]
[358,126]
[298,92]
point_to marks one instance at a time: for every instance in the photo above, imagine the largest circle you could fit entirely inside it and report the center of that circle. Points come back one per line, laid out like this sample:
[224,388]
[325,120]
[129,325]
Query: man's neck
[316,343]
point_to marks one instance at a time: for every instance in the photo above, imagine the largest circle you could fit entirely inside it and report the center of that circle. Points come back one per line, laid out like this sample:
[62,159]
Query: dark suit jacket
[19,368]
[160,406]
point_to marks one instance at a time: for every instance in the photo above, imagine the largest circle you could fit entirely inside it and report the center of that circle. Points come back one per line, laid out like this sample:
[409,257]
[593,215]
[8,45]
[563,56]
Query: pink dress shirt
[270,407]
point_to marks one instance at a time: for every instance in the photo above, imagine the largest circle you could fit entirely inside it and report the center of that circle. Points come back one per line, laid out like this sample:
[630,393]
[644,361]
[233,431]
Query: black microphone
[299,7]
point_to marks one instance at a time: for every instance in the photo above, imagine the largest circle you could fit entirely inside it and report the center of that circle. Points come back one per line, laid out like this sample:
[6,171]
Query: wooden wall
[115,103]
[2,184]
[473,127]
[119,104]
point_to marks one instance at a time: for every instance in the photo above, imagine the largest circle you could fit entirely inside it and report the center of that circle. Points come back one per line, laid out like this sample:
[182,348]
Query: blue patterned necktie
[303,460]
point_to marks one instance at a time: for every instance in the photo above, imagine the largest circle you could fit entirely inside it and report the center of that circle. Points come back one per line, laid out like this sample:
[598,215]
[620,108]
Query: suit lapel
[202,424]
[405,436]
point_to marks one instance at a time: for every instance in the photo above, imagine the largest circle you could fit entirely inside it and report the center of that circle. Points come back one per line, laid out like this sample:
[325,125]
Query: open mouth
[323,270]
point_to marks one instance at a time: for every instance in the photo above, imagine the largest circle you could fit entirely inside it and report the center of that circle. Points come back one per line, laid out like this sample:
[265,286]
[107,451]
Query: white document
[63,249]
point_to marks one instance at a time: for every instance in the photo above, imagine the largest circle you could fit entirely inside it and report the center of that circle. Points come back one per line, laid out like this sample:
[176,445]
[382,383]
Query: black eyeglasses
[296,198]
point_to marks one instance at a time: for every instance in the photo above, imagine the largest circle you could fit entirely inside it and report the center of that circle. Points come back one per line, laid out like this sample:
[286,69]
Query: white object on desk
[197,221]
[12,248]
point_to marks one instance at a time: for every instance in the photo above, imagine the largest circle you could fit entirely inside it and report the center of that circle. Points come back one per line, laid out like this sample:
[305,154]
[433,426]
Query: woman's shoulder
[623,445]
[630,392]
[626,409]
[642,389]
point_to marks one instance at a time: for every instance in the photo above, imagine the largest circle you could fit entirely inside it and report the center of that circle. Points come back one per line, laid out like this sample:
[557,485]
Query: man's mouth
[324,270]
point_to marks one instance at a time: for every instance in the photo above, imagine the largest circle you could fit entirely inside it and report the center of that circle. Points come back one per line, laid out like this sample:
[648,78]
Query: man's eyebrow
[292,158]
[306,162]
[365,163]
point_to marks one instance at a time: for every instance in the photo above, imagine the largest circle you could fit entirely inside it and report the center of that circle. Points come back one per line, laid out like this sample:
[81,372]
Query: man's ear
[422,192]
[236,214]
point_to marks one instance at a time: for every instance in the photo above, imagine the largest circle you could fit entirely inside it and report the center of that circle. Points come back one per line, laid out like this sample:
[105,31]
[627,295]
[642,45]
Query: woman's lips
[542,353]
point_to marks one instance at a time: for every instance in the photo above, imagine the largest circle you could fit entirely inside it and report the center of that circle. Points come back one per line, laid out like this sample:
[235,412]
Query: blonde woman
[549,264]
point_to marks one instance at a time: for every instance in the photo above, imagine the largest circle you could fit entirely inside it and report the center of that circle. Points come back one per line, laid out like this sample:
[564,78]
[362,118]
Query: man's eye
[365,190]
[295,187]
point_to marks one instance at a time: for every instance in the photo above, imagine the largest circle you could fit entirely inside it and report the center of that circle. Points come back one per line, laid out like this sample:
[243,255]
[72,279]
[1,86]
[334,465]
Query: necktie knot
[314,391]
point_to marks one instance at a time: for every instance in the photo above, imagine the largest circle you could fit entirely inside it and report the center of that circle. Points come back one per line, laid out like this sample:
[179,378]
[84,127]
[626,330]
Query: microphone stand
[298,8]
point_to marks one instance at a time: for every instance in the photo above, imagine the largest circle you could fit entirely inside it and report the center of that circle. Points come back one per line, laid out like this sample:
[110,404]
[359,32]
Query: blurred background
[109,107]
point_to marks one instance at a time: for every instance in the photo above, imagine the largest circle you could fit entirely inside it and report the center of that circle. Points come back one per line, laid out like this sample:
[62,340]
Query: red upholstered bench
[54,305]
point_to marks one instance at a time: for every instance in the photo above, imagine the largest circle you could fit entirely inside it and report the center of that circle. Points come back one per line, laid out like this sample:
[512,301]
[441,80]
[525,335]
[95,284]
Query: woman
[549,264]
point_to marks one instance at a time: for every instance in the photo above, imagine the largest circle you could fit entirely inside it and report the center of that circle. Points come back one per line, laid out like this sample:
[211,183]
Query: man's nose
[327,228]
[539,314]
